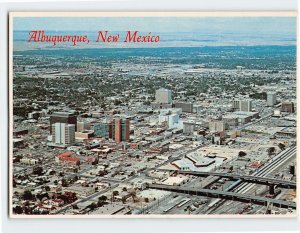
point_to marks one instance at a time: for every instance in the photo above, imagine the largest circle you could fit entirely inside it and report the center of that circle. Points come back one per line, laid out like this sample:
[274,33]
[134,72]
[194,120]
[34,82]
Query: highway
[225,195]
[240,194]
[241,187]
[244,178]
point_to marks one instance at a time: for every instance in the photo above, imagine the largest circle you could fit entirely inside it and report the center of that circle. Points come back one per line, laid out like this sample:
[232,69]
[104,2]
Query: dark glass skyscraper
[63,117]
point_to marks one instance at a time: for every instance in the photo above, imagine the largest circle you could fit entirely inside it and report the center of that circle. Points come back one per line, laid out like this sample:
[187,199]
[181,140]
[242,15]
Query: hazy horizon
[173,31]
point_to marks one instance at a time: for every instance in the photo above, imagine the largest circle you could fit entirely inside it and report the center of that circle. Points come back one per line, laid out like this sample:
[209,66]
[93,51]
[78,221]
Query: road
[225,195]
[245,178]
[264,171]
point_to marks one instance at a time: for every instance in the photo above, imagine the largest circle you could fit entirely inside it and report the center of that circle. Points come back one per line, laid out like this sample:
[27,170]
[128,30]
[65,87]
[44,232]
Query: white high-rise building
[244,105]
[163,96]
[173,120]
[271,99]
[236,105]
[217,126]
[63,133]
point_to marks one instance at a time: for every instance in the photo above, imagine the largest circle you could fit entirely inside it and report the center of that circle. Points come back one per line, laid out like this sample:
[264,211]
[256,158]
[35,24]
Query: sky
[160,24]
[194,31]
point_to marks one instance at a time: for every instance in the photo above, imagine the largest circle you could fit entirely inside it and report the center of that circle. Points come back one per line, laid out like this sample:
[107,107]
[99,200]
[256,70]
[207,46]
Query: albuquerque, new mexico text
[103,36]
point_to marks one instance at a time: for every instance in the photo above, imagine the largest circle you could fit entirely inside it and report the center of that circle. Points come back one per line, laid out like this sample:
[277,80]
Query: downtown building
[242,105]
[118,129]
[287,107]
[63,117]
[217,126]
[188,127]
[271,99]
[163,96]
[185,106]
[122,130]
[63,134]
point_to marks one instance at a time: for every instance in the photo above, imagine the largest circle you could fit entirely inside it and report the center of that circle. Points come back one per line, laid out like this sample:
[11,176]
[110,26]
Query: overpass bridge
[244,178]
[246,198]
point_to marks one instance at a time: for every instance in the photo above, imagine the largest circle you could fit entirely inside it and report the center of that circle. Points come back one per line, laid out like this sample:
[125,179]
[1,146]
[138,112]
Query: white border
[128,225]
[122,14]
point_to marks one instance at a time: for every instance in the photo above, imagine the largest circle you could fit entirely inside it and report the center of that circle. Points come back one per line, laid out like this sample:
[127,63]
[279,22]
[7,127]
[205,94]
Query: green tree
[271,150]
[27,195]
[281,146]
[38,170]
[242,154]
[64,182]
[18,210]
[103,198]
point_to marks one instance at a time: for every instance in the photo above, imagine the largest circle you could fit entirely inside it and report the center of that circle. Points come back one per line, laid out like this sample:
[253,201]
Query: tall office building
[271,99]
[163,96]
[63,134]
[217,126]
[244,105]
[104,129]
[82,126]
[185,106]
[122,130]
[117,129]
[236,105]
[287,107]
[188,127]
[63,117]
[171,119]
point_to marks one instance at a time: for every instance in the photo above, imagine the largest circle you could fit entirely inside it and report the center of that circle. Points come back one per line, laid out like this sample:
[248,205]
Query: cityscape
[206,130]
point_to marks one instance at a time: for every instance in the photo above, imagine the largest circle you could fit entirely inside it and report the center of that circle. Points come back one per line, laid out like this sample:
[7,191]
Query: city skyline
[199,124]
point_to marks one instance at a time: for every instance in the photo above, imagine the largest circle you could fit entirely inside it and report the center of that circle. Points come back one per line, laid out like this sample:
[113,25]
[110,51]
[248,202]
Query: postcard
[152,114]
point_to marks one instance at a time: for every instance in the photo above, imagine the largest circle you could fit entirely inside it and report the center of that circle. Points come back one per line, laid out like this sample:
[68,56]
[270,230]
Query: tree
[27,195]
[93,206]
[75,178]
[281,146]
[64,182]
[242,154]
[147,102]
[103,198]
[65,198]
[52,173]
[41,196]
[102,173]
[18,210]
[38,170]
[115,193]
[146,199]
[271,150]
[117,102]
